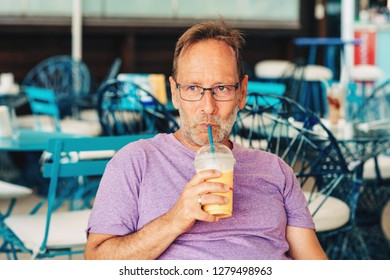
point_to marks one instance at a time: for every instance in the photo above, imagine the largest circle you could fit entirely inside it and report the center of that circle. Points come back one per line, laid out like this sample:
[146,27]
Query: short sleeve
[297,211]
[115,209]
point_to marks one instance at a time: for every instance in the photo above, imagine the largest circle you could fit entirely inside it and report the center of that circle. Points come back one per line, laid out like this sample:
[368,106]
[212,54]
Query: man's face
[208,63]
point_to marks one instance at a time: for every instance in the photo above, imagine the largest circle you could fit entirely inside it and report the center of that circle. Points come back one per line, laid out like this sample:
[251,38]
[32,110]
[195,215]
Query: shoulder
[260,159]
[139,150]
[241,152]
[144,144]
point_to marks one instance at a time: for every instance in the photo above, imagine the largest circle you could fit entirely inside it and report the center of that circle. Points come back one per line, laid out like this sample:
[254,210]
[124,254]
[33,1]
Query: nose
[208,103]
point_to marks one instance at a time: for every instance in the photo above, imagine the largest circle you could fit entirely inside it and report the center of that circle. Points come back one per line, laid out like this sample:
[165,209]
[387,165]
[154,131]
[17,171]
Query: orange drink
[223,210]
[221,159]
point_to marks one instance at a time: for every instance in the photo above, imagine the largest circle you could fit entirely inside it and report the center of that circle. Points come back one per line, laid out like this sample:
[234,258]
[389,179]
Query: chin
[199,141]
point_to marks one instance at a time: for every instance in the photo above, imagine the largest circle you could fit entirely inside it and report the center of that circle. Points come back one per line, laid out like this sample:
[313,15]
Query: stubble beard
[221,128]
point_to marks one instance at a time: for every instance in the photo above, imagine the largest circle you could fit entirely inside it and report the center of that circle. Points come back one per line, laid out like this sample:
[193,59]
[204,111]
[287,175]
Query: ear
[243,88]
[172,84]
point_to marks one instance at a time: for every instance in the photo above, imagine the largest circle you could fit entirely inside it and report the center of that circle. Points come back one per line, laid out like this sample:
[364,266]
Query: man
[149,203]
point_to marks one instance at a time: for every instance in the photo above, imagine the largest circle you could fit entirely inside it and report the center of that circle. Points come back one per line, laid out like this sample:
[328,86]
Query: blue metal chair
[46,115]
[126,108]
[88,102]
[43,102]
[9,193]
[333,49]
[314,72]
[68,78]
[280,125]
[114,70]
[57,232]
[373,120]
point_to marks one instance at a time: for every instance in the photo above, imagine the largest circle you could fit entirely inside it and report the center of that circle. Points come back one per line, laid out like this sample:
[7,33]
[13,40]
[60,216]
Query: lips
[208,124]
[204,122]
[203,127]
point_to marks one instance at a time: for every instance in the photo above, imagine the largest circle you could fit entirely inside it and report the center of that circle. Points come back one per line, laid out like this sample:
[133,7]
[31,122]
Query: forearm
[147,243]
[155,237]
[304,244]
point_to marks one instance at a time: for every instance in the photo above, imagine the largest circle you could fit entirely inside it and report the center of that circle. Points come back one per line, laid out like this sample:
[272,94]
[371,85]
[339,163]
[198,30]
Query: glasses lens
[219,93]
[191,92]
[224,92]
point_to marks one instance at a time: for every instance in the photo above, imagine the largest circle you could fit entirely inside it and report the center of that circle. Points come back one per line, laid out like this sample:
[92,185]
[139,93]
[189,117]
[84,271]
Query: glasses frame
[179,86]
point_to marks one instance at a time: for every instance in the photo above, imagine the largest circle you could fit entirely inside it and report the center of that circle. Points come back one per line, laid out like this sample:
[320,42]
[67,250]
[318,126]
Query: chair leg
[348,244]
[377,243]
[358,246]
[9,249]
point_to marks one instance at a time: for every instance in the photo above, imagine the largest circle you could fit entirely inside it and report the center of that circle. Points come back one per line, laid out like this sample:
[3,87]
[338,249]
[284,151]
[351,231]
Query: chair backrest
[126,108]
[111,74]
[281,126]
[43,102]
[287,128]
[372,116]
[114,69]
[66,161]
[83,166]
[67,77]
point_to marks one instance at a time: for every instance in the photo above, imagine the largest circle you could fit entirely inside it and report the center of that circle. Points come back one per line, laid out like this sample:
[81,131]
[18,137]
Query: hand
[188,209]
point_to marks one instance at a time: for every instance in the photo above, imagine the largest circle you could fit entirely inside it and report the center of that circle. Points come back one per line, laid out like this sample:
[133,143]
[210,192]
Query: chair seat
[317,73]
[70,126]
[333,214]
[89,115]
[253,143]
[67,229]
[384,167]
[365,72]
[273,69]
[8,190]
[86,128]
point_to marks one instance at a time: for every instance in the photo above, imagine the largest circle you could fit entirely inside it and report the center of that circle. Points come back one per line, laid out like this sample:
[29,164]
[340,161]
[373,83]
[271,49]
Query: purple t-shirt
[145,179]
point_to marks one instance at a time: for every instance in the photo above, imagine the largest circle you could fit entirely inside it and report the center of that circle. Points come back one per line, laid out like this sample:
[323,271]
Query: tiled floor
[24,205]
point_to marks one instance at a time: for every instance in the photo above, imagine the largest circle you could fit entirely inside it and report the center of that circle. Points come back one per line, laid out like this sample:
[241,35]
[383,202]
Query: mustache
[213,120]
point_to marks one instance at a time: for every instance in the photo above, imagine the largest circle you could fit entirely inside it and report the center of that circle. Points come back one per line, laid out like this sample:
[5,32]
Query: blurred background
[103,38]
[143,33]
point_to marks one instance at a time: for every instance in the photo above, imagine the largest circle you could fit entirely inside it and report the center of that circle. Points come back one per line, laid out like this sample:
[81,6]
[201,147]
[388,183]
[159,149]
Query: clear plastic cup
[222,160]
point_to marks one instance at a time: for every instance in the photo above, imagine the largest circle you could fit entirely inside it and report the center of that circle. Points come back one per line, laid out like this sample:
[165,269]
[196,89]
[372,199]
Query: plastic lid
[222,158]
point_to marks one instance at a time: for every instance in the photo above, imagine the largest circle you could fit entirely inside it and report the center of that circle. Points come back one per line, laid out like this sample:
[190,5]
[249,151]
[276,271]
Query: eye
[221,88]
[191,88]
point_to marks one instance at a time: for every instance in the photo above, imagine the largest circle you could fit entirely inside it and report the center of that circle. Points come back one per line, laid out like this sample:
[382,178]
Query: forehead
[208,58]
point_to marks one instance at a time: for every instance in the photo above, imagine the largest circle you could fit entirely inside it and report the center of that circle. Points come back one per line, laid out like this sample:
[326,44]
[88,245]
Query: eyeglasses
[219,93]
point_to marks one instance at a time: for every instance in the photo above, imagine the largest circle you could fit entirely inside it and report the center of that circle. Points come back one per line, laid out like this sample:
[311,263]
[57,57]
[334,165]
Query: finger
[206,217]
[205,175]
[207,199]
[211,187]
[191,192]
